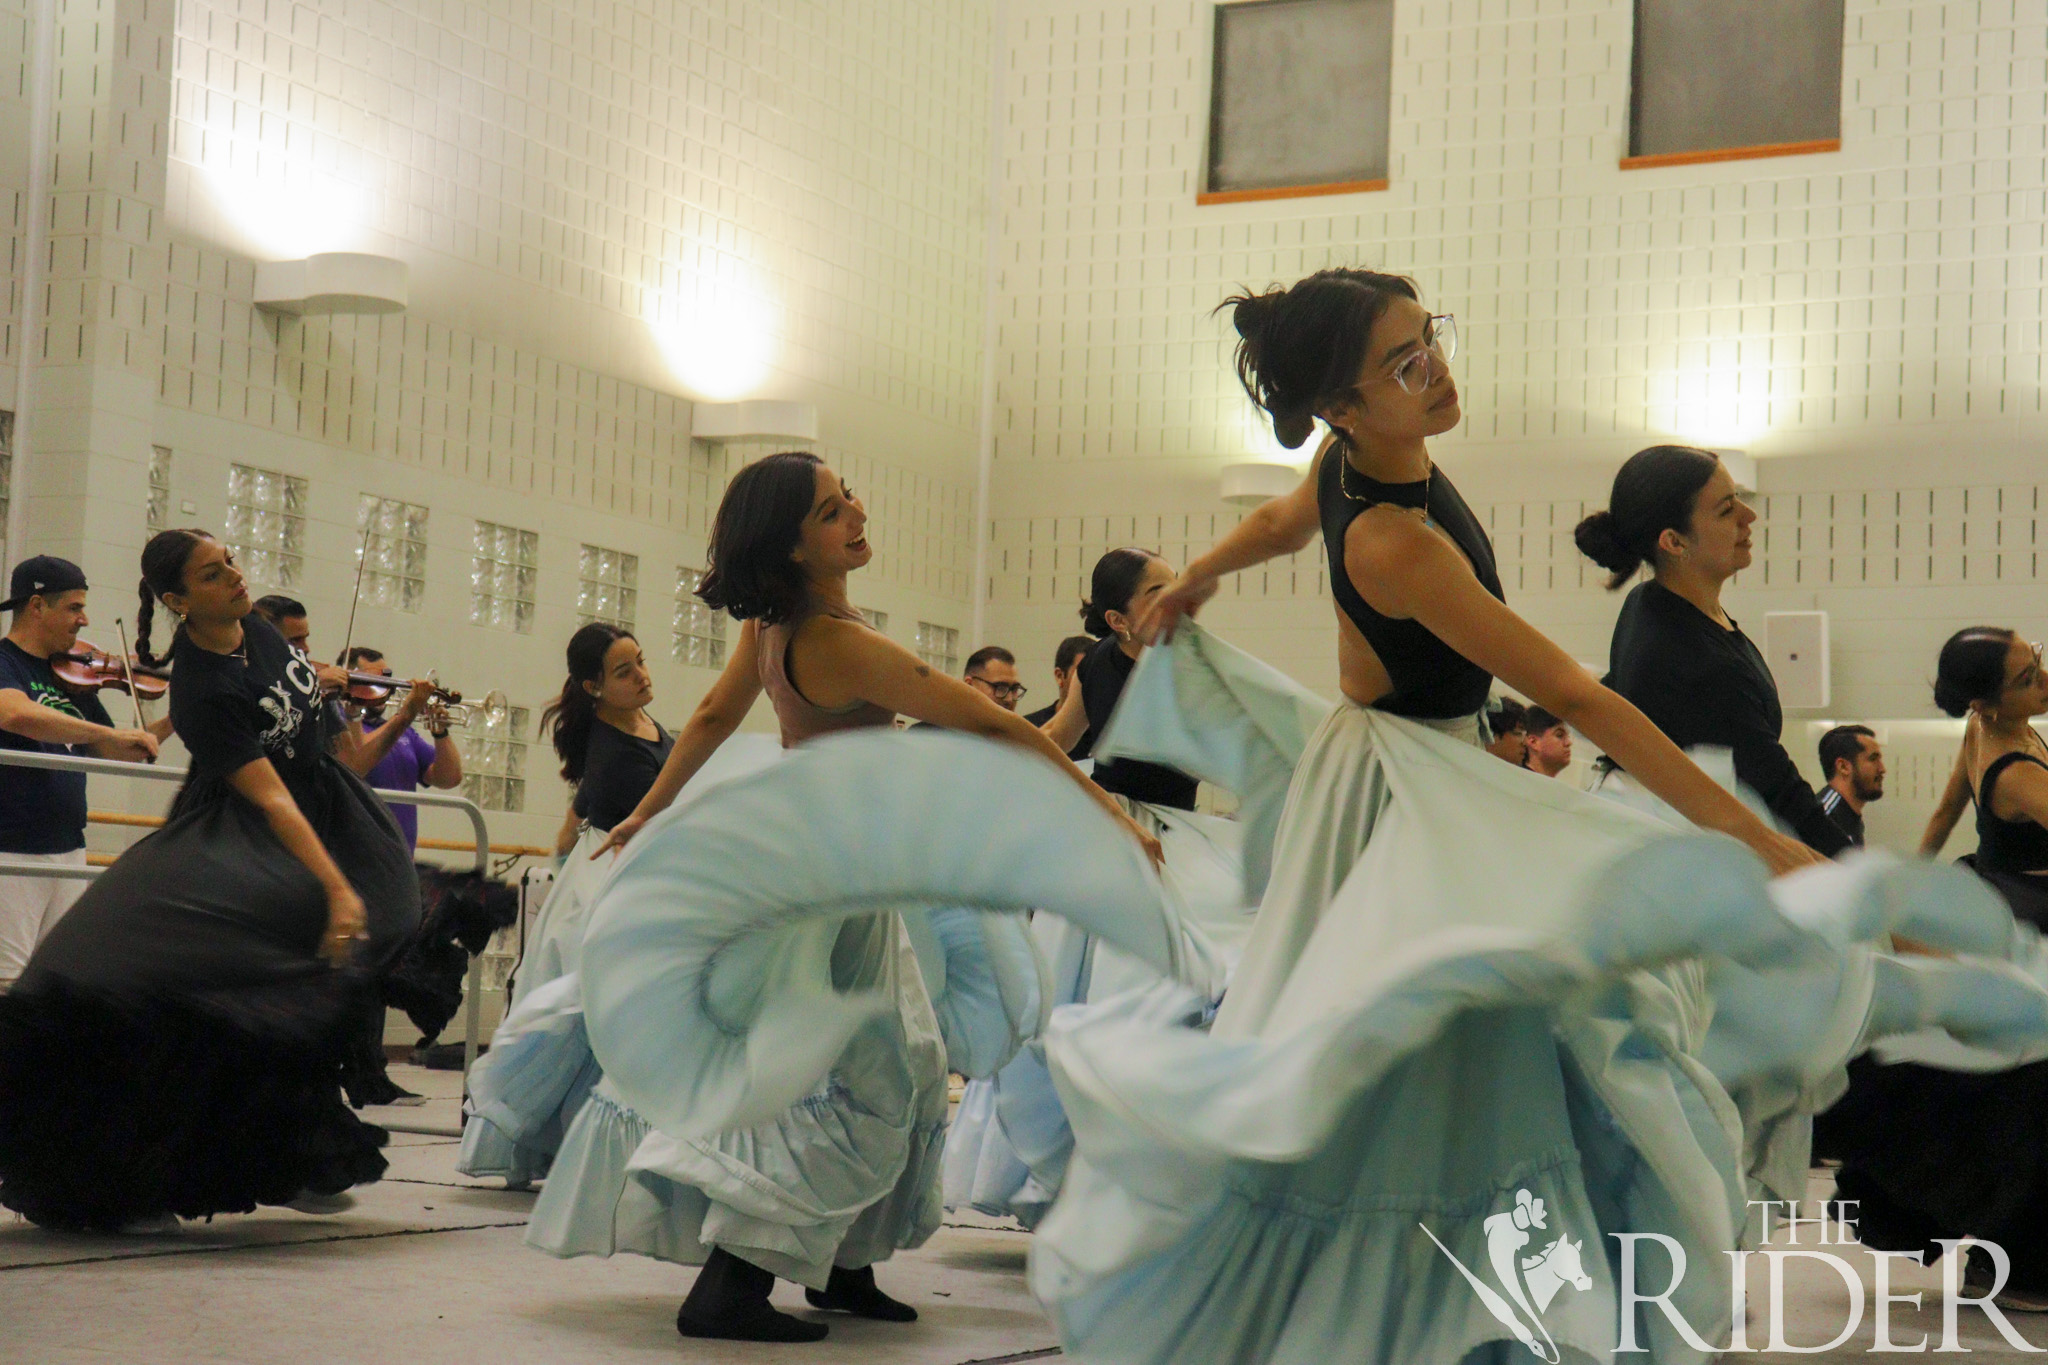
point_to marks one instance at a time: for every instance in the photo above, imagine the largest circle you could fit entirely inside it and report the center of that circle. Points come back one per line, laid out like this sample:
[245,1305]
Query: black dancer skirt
[174,1045]
[1929,1153]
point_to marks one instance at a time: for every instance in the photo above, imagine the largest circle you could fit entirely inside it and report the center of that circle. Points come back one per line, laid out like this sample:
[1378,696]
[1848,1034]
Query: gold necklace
[1428,482]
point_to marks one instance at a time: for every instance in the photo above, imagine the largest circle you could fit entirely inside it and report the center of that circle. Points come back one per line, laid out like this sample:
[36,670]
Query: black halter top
[1431,680]
[2008,845]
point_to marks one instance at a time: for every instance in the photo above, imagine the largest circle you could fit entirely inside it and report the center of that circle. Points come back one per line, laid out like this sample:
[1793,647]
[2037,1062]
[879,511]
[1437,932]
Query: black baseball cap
[41,576]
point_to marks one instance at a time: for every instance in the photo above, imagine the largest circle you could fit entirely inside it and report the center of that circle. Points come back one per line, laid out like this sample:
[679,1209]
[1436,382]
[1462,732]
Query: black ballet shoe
[729,1302]
[854,1291]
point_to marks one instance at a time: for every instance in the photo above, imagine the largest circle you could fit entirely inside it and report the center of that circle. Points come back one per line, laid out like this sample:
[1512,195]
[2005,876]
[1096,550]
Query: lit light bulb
[719,342]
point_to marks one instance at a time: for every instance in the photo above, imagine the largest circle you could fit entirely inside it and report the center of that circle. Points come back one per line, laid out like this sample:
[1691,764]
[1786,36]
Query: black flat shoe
[854,1291]
[729,1302]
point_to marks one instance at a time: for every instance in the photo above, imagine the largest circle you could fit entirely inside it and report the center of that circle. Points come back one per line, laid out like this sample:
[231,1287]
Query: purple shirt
[400,771]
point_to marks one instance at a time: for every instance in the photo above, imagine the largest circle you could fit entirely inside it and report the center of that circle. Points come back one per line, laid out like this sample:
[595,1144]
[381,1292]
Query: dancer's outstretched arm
[710,725]
[1404,569]
[258,783]
[1278,526]
[1955,799]
[864,665]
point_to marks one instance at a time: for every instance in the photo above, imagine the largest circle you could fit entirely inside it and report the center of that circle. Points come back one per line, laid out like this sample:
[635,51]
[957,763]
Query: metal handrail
[107,767]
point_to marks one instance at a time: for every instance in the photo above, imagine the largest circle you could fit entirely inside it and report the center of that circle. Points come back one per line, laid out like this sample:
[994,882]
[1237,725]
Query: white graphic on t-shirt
[283,706]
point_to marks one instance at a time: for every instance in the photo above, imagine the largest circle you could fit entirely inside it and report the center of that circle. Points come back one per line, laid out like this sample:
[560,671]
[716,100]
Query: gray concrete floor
[428,1269]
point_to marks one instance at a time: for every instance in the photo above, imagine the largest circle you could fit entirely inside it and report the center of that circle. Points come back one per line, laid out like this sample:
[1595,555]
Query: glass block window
[267,525]
[158,514]
[494,761]
[608,586]
[878,619]
[939,646]
[501,574]
[699,629]
[391,537]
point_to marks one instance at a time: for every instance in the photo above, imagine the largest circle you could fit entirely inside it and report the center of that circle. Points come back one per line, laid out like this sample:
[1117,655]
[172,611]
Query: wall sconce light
[333,282]
[756,419]
[1252,482]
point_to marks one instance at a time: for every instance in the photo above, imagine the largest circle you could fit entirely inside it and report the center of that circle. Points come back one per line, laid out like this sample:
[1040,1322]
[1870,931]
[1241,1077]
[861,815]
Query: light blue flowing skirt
[774,1072]
[1474,996]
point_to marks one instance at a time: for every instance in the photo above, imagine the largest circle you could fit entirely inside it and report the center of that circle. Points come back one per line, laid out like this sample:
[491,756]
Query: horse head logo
[1527,1283]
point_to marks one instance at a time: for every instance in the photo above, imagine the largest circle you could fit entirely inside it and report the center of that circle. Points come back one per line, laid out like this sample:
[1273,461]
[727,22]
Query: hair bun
[1599,540]
[1951,698]
[1250,313]
[1293,429]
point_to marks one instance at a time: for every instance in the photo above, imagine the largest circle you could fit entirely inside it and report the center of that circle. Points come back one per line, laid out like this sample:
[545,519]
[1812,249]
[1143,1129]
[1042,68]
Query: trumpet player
[389,753]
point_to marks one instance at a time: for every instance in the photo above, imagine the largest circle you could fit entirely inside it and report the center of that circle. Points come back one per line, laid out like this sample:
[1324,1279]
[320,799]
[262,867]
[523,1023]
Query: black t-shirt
[1082,748]
[617,772]
[1839,811]
[1701,684]
[262,701]
[1104,671]
[42,811]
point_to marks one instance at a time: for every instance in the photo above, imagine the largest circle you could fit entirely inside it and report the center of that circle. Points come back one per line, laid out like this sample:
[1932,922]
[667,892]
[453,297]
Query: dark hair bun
[1599,540]
[1294,428]
[1972,668]
[1952,699]
[1250,313]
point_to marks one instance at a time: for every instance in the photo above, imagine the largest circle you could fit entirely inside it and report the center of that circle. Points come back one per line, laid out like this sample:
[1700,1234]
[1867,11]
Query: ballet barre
[115,817]
[107,767]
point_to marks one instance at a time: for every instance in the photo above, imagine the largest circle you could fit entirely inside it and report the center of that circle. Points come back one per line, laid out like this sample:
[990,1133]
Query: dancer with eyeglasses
[173,1048]
[1418,1033]
[1934,1151]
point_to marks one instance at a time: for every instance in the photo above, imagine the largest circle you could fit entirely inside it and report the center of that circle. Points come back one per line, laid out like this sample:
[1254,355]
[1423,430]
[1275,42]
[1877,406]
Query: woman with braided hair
[173,1048]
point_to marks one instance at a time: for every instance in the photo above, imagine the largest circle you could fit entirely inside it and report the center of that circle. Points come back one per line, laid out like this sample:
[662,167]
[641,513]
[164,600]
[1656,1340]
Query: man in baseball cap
[42,813]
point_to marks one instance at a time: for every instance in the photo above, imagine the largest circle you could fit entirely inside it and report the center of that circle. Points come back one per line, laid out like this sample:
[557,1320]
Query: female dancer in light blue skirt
[1441,1089]
[524,1094]
[819,1190]
[1008,1146]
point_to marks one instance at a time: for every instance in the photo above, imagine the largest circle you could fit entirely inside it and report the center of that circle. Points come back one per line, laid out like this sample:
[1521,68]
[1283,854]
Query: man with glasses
[991,671]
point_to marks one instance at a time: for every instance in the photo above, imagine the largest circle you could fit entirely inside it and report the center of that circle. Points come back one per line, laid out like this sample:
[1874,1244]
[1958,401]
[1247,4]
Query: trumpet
[491,712]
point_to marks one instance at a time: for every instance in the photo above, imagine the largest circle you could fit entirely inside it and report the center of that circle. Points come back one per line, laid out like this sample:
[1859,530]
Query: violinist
[42,813]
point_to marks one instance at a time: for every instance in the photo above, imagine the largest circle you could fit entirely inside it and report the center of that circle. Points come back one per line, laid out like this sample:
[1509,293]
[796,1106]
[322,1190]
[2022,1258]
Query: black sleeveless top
[1104,671]
[1431,680]
[2008,845]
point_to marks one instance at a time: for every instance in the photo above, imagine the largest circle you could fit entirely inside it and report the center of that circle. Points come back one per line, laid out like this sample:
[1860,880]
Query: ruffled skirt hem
[112,1112]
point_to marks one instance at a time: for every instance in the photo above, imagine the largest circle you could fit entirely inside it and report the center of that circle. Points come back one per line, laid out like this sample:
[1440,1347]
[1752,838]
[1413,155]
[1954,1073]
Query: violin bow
[128,671]
[362,562]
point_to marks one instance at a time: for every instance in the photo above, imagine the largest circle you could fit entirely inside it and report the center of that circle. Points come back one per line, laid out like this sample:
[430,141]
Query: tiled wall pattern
[639,158]
[1782,305]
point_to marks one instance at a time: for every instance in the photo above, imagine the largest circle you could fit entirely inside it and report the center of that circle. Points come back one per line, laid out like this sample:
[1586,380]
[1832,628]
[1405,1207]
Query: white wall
[608,209]
[1867,323]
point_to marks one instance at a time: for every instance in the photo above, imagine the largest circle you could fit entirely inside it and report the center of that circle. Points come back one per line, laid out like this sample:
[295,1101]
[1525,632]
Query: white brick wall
[1873,317]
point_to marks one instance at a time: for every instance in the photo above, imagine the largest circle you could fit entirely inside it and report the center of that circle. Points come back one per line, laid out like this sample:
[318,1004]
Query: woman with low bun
[1123,585]
[1676,652]
[1935,1153]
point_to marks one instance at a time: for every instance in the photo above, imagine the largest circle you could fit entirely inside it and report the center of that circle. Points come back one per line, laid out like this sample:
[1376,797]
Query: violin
[85,669]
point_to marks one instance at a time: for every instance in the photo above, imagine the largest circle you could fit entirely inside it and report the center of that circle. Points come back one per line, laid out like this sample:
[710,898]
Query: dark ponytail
[163,571]
[1111,587]
[1302,348]
[1653,492]
[568,718]
[1972,668]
